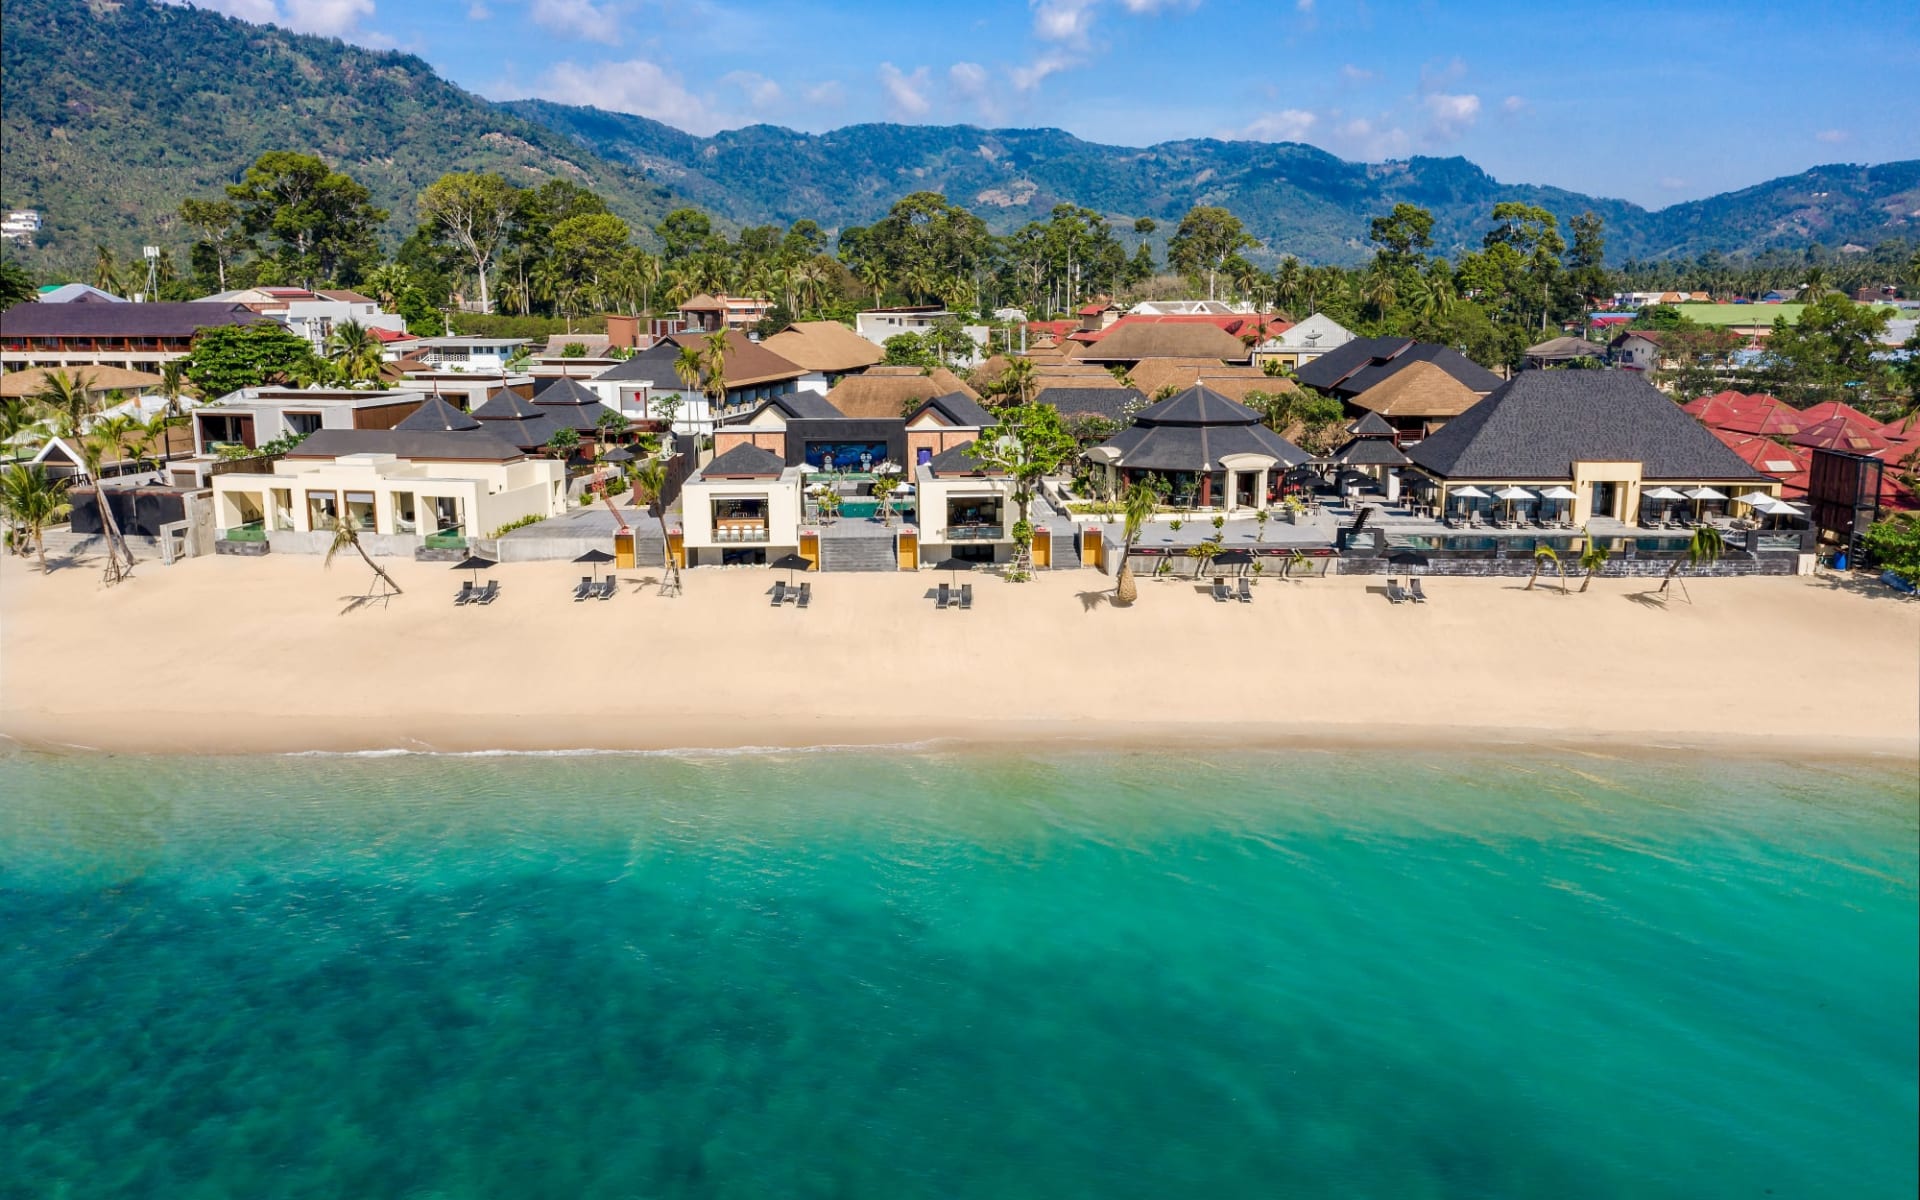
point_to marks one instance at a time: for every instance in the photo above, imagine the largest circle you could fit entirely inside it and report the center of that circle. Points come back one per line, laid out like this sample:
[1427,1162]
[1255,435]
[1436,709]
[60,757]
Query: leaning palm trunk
[116,544]
[1125,591]
[346,535]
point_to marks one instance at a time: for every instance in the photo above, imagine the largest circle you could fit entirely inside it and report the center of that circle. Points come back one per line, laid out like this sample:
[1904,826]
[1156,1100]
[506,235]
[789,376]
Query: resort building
[405,490]
[1109,402]
[800,427]
[707,314]
[965,510]
[1301,343]
[138,337]
[252,417]
[314,315]
[1608,437]
[878,324]
[1417,387]
[470,354]
[531,422]
[752,375]
[892,392]
[1211,452]
[941,424]
[744,507]
[826,350]
[1132,340]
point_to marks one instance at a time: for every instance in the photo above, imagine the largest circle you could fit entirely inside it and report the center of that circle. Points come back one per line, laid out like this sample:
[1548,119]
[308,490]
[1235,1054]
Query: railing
[454,540]
[976,533]
[736,532]
[252,531]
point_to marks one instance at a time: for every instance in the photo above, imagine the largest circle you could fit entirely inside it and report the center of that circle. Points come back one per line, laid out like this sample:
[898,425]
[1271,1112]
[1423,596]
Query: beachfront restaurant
[743,508]
[966,509]
[1210,452]
[1581,447]
[403,490]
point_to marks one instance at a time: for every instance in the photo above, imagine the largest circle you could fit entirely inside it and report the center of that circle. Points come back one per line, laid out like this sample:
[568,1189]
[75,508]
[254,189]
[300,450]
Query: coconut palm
[1542,555]
[1705,550]
[31,500]
[1593,559]
[93,450]
[119,433]
[346,534]
[387,281]
[1815,285]
[106,272]
[355,352]
[713,356]
[650,491]
[173,384]
[66,400]
[1140,504]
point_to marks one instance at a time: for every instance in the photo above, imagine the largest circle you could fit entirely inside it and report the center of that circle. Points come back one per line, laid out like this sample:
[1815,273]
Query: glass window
[303,422]
[323,509]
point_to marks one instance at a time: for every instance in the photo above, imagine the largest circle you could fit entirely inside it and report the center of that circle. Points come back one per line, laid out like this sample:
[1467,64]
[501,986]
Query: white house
[470,353]
[1303,342]
[966,509]
[744,506]
[878,324]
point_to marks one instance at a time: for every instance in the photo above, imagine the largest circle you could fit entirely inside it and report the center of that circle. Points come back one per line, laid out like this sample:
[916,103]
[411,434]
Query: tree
[93,453]
[589,248]
[16,286]
[31,500]
[713,357]
[1525,241]
[688,366]
[1542,555]
[1587,258]
[106,273]
[67,400]
[322,219]
[1593,558]
[1829,354]
[1014,384]
[355,352]
[650,490]
[1141,502]
[1405,235]
[1208,236]
[346,534]
[1894,543]
[909,350]
[475,212]
[1027,443]
[226,358]
[682,232]
[1705,549]
[219,225]
[563,444]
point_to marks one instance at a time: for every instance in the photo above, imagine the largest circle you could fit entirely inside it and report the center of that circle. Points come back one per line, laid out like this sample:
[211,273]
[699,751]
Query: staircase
[64,543]
[1360,521]
[857,549]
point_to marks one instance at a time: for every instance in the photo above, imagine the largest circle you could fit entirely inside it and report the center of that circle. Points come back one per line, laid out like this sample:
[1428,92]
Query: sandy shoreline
[231,656]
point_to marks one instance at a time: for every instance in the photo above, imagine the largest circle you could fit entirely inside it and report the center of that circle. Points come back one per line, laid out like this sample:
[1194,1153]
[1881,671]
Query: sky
[1650,102]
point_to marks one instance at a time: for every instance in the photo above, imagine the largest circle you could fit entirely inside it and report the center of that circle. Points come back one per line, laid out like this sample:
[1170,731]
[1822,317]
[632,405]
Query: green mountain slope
[114,113]
[1295,198]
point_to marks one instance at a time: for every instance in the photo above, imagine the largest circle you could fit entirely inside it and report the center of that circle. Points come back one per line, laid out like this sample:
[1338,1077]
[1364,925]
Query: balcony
[736,532]
[976,533]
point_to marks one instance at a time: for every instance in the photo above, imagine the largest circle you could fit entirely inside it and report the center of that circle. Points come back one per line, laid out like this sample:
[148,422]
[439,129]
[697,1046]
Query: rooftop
[169,319]
[826,346]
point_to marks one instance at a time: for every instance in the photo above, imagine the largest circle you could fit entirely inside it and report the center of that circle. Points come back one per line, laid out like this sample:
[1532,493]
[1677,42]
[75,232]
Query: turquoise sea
[922,974]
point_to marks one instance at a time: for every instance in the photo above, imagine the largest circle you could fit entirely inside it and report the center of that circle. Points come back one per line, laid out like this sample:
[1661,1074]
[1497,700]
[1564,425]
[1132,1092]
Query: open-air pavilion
[1211,452]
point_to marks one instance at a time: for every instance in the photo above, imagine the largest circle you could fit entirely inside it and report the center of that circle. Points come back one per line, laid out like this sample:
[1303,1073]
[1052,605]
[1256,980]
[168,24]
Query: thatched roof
[826,346]
[20,384]
[1196,339]
[892,391]
[1420,389]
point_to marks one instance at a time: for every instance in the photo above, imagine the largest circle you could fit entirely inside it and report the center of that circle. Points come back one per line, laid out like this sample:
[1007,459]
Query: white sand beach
[229,655]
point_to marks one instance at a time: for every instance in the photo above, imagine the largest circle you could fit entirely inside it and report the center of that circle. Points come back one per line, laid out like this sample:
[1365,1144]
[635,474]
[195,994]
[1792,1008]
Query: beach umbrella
[1558,493]
[617,454]
[955,565]
[791,563]
[475,563]
[1233,558]
[1513,495]
[1468,493]
[1664,495]
[1701,495]
[1755,497]
[596,557]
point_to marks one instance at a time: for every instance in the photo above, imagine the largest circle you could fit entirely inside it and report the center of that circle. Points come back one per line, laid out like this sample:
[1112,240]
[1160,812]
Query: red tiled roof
[1841,433]
[391,335]
[1789,464]
[1828,409]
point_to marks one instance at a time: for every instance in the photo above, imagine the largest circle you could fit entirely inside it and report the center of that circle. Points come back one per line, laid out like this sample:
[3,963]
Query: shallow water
[874,975]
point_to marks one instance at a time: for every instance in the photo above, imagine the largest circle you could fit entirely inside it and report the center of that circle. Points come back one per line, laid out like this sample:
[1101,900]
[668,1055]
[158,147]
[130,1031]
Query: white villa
[470,353]
[744,506]
[1303,342]
[966,510]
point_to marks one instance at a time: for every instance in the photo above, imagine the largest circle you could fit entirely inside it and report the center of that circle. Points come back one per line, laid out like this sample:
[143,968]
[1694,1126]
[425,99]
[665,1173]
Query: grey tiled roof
[1370,452]
[1108,402]
[745,459]
[474,446]
[959,409]
[959,460]
[506,405]
[564,391]
[160,319]
[1541,423]
[1353,368]
[436,414]
[1198,405]
[804,406]
[1371,425]
[1194,431]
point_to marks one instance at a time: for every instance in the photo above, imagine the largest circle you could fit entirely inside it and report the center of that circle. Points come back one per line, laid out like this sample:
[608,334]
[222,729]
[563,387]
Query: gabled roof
[745,461]
[1109,402]
[882,392]
[1372,424]
[564,391]
[165,319]
[1370,452]
[801,405]
[747,362]
[1421,389]
[437,414]
[507,405]
[1362,363]
[1132,341]
[1542,422]
[959,461]
[436,445]
[826,346]
[77,293]
[956,409]
[1561,349]
[1842,433]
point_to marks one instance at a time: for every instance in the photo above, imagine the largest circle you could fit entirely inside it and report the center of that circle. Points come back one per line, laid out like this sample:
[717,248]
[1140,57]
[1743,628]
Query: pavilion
[1214,452]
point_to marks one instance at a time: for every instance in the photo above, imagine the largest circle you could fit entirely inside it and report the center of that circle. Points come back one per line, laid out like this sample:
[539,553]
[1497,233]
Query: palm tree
[1140,504]
[1814,285]
[355,352]
[346,534]
[66,399]
[173,384]
[650,491]
[1705,549]
[119,433]
[714,357]
[93,451]
[1204,553]
[1593,559]
[387,281]
[1015,384]
[1542,555]
[106,273]
[31,500]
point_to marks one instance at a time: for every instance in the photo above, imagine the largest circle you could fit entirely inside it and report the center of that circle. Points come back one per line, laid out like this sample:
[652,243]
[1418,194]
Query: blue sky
[1653,102]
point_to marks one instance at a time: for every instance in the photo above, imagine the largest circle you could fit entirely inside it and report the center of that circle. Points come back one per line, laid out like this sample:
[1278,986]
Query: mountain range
[116,111]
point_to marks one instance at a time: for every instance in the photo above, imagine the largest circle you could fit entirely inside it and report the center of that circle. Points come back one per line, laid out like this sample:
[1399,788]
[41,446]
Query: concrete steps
[858,554]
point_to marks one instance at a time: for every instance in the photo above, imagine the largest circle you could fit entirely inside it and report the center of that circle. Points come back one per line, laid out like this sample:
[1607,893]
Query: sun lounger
[966,597]
[466,593]
[486,594]
[805,597]
[779,595]
[1395,592]
[942,598]
[1246,591]
[587,587]
[607,587]
[1220,593]
[1418,593]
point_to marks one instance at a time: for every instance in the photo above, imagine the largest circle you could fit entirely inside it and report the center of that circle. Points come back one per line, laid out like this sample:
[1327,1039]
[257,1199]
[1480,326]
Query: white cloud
[1370,140]
[761,92]
[1034,73]
[906,94]
[972,84]
[1063,20]
[260,12]
[1287,125]
[1512,105]
[577,18]
[327,18]
[1833,137]
[635,86]
[1353,74]
[1305,6]
[1452,115]
[826,95]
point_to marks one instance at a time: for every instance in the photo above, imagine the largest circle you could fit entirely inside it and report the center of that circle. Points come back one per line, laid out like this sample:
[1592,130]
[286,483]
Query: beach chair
[942,598]
[466,593]
[966,597]
[1414,589]
[1395,593]
[1220,593]
[487,594]
[607,587]
[779,595]
[805,597]
[1246,591]
[587,587]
